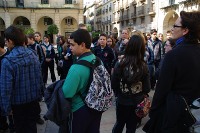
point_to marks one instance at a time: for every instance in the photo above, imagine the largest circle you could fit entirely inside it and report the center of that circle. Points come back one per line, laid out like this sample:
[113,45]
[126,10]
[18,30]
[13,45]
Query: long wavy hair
[134,57]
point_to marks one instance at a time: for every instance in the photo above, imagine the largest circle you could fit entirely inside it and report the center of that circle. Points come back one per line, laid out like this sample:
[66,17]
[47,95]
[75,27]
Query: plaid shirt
[20,78]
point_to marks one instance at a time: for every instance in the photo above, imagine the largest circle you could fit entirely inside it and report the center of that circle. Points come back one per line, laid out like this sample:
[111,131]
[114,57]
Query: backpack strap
[92,66]
[96,62]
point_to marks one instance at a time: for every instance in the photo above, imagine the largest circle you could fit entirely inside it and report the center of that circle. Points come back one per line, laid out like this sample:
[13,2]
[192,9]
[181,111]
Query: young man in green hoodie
[85,120]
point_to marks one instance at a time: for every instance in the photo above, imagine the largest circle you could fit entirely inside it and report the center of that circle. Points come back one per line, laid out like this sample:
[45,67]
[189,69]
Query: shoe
[40,121]
[4,127]
[12,130]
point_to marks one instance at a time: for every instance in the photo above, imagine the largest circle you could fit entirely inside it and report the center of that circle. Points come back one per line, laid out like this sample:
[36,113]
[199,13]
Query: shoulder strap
[92,66]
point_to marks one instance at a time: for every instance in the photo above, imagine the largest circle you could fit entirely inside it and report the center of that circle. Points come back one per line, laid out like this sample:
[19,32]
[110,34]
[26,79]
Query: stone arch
[169,20]
[22,21]
[43,23]
[69,24]
[2,27]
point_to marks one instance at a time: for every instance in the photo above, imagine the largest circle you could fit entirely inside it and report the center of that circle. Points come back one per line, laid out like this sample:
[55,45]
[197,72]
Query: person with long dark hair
[130,82]
[178,83]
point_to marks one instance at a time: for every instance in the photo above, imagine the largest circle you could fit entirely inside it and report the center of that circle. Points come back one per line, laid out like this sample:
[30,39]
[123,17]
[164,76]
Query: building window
[152,19]
[134,21]
[69,21]
[171,2]
[48,21]
[19,3]
[68,1]
[142,20]
[44,1]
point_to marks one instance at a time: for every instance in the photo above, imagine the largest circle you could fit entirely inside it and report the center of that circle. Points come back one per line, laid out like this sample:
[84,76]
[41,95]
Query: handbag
[143,107]
[194,110]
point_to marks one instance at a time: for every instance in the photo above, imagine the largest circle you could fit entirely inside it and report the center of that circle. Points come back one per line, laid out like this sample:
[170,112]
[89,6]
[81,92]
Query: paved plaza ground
[107,122]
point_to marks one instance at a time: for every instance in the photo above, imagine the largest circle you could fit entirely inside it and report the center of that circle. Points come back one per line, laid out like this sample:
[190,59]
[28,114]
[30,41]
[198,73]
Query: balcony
[113,21]
[142,1]
[141,12]
[166,4]
[127,5]
[134,3]
[71,6]
[98,22]
[122,8]
[125,17]
[152,10]
[110,8]
[133,15]
[12,3]
[120,18]
[44,5]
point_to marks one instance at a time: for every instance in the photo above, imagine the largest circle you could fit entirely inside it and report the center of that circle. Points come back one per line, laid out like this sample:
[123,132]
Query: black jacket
[58,107]
[179,74]
[129,100]
[106,55]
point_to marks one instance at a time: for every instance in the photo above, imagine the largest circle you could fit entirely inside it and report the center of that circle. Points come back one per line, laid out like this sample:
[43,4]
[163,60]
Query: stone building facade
[39,14]
[111,16]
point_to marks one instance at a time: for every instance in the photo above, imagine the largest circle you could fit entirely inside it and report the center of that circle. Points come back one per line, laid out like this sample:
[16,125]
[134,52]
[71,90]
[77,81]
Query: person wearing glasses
[178,82]
[122,43]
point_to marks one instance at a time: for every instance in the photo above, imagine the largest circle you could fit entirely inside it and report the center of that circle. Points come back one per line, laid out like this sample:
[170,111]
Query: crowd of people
[137,62]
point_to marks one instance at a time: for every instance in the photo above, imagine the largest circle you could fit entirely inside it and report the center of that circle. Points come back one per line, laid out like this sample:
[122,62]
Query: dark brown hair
[191,21]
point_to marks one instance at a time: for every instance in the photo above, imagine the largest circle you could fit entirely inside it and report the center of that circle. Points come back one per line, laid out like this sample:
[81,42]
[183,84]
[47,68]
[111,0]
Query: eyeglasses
[178,26]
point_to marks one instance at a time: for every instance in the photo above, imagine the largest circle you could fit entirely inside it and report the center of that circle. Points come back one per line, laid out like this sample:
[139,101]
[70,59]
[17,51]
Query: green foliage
[89,27]
[52,29]
[95,34]
[25,30]
[28,31]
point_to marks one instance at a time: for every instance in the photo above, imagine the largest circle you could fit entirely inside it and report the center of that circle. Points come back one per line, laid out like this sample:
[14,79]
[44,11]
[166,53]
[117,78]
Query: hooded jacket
[21,78]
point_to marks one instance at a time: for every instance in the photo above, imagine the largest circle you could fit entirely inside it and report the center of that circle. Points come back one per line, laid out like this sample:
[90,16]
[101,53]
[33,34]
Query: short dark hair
[30,36]
[80,36]
[103,34]
[15,34]
[172,42]
[190,20]
[2,42]
[47,36]
[81,25]
[153,30]
[38,33]
[168,32]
